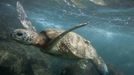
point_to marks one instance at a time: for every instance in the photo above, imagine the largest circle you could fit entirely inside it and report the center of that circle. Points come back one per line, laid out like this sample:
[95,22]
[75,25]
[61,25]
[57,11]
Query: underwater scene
[66,37]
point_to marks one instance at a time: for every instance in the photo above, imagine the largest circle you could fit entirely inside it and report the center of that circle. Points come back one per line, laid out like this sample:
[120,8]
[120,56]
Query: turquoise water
[110,29]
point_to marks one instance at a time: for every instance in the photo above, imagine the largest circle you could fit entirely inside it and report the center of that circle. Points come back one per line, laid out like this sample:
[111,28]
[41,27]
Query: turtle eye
[19,34]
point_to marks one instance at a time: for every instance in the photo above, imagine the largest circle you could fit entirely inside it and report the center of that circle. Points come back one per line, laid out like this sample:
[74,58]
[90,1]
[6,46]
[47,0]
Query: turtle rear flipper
[57,39]
[100,65]
[23,17]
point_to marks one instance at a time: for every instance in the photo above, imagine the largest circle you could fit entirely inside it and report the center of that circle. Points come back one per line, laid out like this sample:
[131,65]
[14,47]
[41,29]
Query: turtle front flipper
[52,43]
[23,17]
[100,65]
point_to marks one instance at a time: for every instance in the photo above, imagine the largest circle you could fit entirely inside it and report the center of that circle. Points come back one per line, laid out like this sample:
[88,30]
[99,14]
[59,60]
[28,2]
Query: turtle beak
[11,35]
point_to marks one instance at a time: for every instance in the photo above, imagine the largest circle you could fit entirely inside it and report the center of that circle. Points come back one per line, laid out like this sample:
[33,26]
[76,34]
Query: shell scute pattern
[72,45]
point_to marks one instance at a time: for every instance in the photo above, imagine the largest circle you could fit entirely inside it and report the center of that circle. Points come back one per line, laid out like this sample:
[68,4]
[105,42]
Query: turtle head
[24,36]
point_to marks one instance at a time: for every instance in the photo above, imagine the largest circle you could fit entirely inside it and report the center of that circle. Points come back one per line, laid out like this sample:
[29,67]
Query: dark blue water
[110,29]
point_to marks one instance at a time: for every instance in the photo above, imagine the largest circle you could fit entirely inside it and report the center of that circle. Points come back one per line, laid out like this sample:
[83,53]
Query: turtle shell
[71,45]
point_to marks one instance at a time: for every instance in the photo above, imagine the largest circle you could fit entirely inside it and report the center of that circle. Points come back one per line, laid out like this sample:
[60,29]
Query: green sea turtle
[58,42]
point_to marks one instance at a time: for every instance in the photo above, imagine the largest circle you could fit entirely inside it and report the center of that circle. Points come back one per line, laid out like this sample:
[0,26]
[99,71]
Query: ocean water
[110,29]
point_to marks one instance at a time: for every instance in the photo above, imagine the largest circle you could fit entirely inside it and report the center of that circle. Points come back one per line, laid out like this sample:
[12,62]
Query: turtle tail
[100,66]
